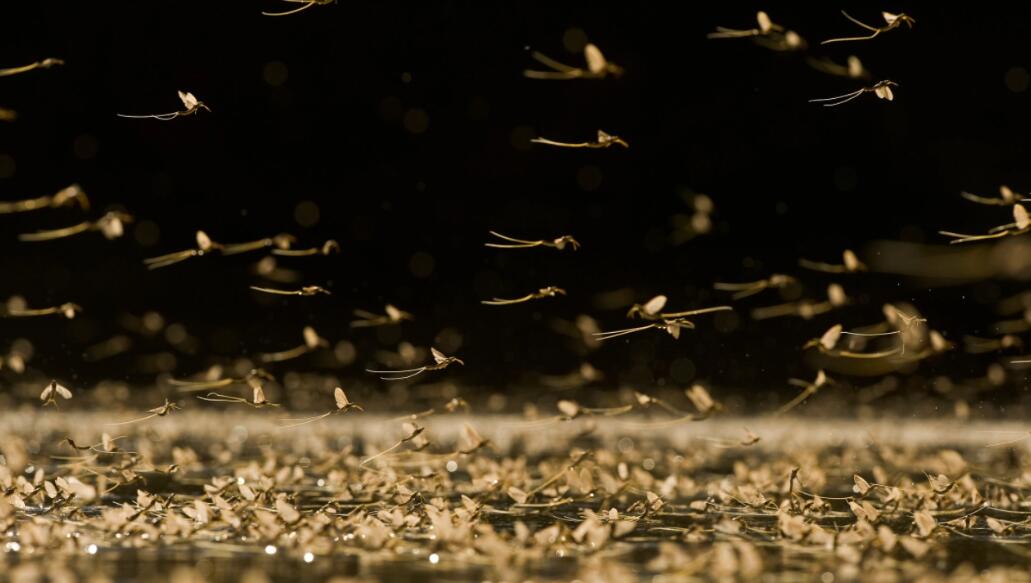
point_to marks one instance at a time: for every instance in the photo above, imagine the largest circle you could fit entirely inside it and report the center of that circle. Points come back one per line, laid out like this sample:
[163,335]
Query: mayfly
[827,342]
[559,243]
[412,433]
[652,310]
[18,309]
[257,392]
[808,390]
[213,379]
[392,315]
[882,89]
[191,103]
[545,292]
[328,248]
[598,66]
[744,290]
[281,241]
[343,405]
[305,4]
[671,326]
[849,264]
[161,411]
[111,225]
[308,290]
[853,69]
[1006,197]
[312,341]
[805,309]
[767,34]
[891,22]
[604,140]
[67,196]
[52,391]
[1020,225]
[44,64]
[205,246]
[440,362]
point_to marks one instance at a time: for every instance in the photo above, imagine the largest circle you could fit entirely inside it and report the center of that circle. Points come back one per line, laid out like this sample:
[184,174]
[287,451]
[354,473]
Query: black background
[726,118]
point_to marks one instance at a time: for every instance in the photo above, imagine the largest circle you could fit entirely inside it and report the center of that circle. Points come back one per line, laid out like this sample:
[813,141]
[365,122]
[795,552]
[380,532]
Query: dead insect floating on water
[440,362]
[604,140]
[191,103]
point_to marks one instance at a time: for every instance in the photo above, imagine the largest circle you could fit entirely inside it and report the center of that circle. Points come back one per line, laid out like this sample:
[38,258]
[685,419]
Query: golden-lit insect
[205,246]
[312,341]
[44,64]
[767,34]
[892,21]
[545,292]
[849,264]
[882,89]
[52,391]
[808,390]
[161,411]
[257,401]
[805,309]
[16,308]
[853,69]
[1006,197]
[604,140]
[281,241]
[212,379]
[559,243]
[305,4]
[975,345]
[597,66]
[827,342]
[308,290]
[440,362]
[392,315]
[191,103]
[111,225]
[343,405]
[8,114]
[652,310]
[744,290]
[328,248]
[1020,225]
[66,196]
[671,327]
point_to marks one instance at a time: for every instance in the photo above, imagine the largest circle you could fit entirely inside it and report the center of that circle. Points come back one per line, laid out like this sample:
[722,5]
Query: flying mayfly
[312,341]
[767,34]
[205,246]
[652,310]
[213,378]
[1020,225]
[392,315]
[17,308]
[161,411]
[191,103]
[111,225]
[559,243]
[440,362]
[744,290]
[853,67]
[805,309]
[605,140]
[281,241]
[891,22]
[1006,197]
[327,248]
[44,64]
[849,264]
[545,292]
[52,391]
[882,89]
[343,405]
[597,66]
[308,290]
[67,196]
[305,4]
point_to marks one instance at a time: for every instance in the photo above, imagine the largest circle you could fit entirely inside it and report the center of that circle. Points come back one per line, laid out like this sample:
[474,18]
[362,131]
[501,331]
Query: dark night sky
[726,118]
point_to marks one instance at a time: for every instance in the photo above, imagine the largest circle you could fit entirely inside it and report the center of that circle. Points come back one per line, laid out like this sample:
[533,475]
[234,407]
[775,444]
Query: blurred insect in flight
[597,66]
[257,392]
[559,243]
[17,308]
[1020,225]
[327,248]
[305,4]
[8,114]
[111,225]
[312,341]
[343,405]
[213,379]
[368,319]
[808,390]
[308,290]
[161,411]
[205,246]
[767,34]
[892,21]
[604,140]
[191,103]
[805,309]
[281,241]
[1006,197]
[882,89]
[65,197]
[853,69]
[44,64]
[827,342]
[52,391]
[850,264]
[652,310]
[440,362]
[545,292]
[744,290]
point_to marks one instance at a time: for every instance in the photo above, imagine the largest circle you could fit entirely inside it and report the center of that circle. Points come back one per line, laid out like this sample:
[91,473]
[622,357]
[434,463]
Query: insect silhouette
[205,246]
[853,69]
[52,391]
[213,380]
[111,225]
[805,309]
[67,196]
[282,241]
[767,33]
[305,4]
[308,290]
[882,89]
[161,411]
[598,67]
[652,310]
[328,248]
[604,140]
[671,326]
[257,401]
[440,362]
[16,308]
[891,22]
[1020,225]
[744,290]
[559,243]
[545,292]
[191,104]
[808,390]
[343,405]
[312,341]
[392,315]
[44,64]
[849,264]
[1006,197]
